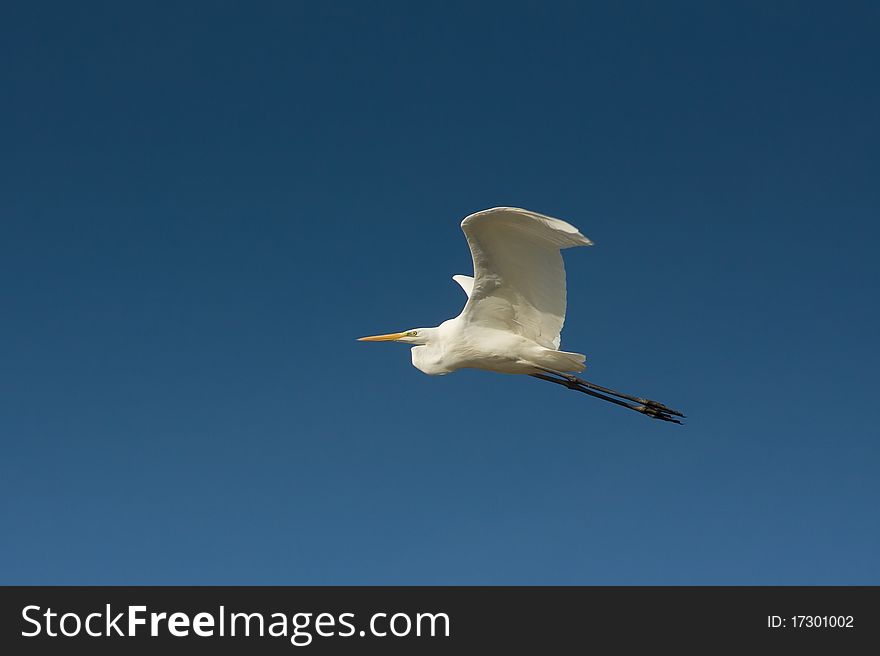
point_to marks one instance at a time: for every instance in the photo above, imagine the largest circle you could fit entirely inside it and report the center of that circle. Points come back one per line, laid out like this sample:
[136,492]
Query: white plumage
[519,277]
[466,282]
[513,317]
[515,309]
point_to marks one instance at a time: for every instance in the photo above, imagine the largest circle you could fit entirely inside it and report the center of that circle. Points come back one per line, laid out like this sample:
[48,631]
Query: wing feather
[466,282]
[519,277]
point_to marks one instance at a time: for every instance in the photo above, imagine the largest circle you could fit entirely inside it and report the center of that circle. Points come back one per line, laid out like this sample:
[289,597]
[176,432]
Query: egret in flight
[515,309]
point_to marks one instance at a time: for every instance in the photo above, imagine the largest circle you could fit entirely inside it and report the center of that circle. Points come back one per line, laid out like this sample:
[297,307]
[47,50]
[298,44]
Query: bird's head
[414,336]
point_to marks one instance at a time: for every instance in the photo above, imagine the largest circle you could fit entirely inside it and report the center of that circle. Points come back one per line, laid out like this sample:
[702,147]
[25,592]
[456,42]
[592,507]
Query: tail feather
[564,360]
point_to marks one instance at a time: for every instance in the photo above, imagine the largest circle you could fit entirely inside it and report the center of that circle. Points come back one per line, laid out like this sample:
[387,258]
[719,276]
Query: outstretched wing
[519,278]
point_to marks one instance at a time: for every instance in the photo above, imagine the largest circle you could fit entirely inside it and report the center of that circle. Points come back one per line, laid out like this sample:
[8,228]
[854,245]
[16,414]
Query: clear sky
[203,204]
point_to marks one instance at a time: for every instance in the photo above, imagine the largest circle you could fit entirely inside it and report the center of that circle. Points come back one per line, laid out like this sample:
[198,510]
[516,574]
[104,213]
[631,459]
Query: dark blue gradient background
[204,203]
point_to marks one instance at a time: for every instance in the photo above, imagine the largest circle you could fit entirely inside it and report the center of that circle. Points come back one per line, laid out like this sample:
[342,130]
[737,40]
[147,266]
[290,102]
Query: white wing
[519,278]
[466,282]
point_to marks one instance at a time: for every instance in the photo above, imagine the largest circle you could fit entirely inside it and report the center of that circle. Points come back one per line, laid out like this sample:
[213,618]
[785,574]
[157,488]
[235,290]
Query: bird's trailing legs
[653,409]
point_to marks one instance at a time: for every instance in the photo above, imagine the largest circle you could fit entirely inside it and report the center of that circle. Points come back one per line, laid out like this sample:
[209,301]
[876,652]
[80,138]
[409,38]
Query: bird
[515,309]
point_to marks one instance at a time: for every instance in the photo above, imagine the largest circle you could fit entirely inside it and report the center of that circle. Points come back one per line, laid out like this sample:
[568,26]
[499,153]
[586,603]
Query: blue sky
[203,204]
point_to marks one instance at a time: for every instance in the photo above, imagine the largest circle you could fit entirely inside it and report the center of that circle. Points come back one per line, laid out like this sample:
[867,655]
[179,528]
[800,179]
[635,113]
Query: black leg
[648,402]
[649,408]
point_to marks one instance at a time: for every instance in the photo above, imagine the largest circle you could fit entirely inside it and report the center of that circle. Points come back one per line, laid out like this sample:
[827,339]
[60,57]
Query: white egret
[513,316]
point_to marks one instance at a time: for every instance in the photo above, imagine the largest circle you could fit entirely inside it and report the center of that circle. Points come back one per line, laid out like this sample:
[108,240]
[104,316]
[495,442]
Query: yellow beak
[390,337]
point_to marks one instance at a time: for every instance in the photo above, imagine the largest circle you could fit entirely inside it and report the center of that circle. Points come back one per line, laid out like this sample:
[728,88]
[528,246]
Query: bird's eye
[412,333]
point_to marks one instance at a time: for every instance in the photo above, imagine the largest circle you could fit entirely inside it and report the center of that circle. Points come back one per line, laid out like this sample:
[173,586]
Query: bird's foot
[656,413]
[656,405]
